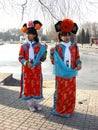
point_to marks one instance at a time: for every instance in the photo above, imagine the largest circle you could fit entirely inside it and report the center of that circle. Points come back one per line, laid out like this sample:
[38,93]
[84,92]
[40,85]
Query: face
[65,37]
[31,37]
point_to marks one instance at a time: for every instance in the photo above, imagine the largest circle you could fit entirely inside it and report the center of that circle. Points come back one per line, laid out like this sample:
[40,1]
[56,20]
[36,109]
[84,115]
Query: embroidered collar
[33,43]
[66,44]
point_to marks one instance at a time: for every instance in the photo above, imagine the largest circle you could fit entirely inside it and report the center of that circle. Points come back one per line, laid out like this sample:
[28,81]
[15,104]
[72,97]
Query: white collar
[68,44]
[67,54]
[31,50]
[31,42]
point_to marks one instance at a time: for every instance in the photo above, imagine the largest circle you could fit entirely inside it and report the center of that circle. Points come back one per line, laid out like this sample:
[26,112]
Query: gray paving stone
[14,114]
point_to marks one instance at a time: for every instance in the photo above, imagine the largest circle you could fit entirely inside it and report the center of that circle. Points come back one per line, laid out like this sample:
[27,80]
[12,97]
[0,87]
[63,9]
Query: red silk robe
[65,89]
[31,79]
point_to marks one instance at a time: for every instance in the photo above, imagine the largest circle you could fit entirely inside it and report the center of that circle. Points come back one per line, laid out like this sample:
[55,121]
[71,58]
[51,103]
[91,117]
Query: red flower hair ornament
[31,24]
[67,25]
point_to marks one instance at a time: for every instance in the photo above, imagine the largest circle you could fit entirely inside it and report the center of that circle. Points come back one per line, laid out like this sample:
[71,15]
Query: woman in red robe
[31,54]
[68,55]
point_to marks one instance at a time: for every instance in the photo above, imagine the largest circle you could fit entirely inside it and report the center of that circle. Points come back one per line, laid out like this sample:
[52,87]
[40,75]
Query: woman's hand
[79,66]
[46,45]
[52,50]
[29,65]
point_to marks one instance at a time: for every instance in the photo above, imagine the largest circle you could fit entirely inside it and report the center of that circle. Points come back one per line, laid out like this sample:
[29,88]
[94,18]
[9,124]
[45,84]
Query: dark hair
[63,34]
[33,31]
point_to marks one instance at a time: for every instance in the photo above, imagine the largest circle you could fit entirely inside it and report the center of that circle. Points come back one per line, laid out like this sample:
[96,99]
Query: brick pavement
[14,114]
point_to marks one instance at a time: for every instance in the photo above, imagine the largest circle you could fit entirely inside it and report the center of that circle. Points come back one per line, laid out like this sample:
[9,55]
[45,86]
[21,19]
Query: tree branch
[48,10]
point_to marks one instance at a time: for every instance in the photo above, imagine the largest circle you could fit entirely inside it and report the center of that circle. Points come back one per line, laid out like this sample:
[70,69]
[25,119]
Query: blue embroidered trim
[21,57]
[32,97]
[22,61]
[22,82]
[61,115]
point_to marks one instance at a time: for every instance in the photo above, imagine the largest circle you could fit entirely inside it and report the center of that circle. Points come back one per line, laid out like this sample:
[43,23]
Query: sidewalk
[14,114]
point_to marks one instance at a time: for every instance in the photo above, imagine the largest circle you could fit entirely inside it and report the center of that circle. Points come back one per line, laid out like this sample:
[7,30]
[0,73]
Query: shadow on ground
[12,82]
[9,98]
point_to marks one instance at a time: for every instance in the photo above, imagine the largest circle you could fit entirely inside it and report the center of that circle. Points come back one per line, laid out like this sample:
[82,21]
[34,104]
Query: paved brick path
[14,114]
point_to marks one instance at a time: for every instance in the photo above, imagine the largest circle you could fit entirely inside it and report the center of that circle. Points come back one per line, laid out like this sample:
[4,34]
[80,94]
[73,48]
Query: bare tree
[92,28]
[51,9]
[56,8]
[69,8]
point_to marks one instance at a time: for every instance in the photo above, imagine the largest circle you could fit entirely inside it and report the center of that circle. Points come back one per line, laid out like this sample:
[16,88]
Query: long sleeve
[44,56]
[58,49]
[21,57]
